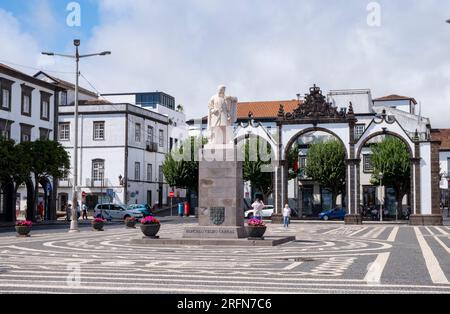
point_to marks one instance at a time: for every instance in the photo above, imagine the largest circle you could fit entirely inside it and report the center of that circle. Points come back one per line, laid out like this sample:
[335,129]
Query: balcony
[152,147]
[65,183]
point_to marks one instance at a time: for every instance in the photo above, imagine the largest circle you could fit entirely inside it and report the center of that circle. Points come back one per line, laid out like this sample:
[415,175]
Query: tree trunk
[36,197]
[334,198]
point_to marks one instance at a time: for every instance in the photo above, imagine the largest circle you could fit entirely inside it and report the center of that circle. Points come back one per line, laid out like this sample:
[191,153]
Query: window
[137,132]
[161,174]
[64,131]
[25,132]
[149,134]
[98,169]
[149,172]
[44,134]
[5,91]
[448,166]
[99,131]
[359,130]
[367,160]
[161,138]
[63,101]
[27,91]
[137,171]
[45,106]
[5,129]
[302,166]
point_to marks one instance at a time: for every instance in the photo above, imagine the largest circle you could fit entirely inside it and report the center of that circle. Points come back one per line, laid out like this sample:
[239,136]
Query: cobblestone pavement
[331,258]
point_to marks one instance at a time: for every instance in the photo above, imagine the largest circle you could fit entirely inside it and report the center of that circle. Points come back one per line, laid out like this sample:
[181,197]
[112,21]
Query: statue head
[221,90]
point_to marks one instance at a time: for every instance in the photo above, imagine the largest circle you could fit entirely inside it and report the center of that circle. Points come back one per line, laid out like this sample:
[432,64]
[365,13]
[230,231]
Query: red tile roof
[442,135]
[395,97]
[264,109]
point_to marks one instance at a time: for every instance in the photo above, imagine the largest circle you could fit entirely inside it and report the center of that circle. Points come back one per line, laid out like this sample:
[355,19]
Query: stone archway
[313,115]
[363,144]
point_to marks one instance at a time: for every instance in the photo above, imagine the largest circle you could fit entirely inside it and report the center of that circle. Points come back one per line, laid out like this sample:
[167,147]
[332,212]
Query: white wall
[425,178]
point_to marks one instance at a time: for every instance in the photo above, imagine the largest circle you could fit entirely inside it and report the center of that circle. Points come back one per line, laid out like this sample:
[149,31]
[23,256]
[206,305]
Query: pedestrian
[287,212]
[41,210]
[69,212]
[258,207]
[78,211]
[85,212]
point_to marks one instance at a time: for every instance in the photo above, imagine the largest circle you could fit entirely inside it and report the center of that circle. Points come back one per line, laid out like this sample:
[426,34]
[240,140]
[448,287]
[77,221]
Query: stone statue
[222,114]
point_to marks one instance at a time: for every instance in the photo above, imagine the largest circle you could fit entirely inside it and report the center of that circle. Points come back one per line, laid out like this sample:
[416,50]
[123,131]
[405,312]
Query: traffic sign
[171,194]
[83,194]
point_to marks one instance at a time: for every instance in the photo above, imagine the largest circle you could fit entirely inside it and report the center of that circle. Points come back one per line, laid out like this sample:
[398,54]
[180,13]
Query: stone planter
[130,224]
[98,226]
[256,232]
[150,230]
[23,231]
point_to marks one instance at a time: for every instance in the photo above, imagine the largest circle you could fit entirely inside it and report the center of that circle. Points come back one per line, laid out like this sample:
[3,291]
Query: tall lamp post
[381,196]
[77,57]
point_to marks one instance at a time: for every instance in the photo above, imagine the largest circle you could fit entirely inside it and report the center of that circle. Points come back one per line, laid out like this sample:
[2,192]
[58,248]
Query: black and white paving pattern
[331,258]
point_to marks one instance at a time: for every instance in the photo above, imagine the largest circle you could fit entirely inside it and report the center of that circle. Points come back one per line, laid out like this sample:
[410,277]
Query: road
[326,258]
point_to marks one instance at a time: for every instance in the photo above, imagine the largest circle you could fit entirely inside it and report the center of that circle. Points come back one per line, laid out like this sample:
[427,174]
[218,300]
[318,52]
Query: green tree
[47,159]
[292,157]
[391,158]
[180,167]
[326,165]
[256,170]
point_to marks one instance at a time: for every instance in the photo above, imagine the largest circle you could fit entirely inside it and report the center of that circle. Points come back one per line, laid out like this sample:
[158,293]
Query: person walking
[287,212]
[41,211]
[69,212]
[258,207]
[85,212]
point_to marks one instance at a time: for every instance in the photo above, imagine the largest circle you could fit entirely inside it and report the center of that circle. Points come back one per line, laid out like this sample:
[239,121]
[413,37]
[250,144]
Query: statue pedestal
[221,197]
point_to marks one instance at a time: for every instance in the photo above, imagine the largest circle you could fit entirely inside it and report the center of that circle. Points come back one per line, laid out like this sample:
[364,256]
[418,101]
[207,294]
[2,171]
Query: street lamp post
[77,57]
[381,196]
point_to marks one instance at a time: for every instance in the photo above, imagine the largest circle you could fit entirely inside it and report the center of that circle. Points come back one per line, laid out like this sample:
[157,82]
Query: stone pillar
[435,218]
[353,217]
[221,196]
[280,191]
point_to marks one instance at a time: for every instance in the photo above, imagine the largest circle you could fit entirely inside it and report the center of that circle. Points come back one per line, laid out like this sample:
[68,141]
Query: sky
[260,49]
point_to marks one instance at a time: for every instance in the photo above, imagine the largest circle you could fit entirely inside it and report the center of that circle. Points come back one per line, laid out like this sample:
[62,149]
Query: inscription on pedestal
[217,215]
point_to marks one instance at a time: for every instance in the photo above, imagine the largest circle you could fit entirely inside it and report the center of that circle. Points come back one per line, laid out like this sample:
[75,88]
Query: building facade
[121,151]
[28,111]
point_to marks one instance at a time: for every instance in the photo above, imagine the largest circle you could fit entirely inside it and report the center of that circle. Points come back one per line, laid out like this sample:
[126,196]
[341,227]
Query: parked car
[143,208]
[267,212]
[336,213]
[116,212]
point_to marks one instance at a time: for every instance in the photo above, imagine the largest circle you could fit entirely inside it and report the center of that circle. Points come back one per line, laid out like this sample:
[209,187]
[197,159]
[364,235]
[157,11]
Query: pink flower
[256,223]
[149,220]
[24,223]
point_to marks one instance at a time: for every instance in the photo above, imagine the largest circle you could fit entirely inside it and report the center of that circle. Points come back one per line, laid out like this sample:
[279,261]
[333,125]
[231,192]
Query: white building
[161,103]
[121,151]
[27,113]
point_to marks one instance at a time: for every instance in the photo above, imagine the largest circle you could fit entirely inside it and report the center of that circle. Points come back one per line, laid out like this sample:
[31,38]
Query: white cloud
[269,50]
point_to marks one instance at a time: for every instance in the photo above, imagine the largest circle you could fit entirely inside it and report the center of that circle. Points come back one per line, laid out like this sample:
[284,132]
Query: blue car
[143,208]
[337,213]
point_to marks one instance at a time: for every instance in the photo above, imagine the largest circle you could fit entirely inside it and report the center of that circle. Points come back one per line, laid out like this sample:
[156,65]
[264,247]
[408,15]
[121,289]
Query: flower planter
[130,224]
[256,232]
[98,226]
[150,230]
[23,231]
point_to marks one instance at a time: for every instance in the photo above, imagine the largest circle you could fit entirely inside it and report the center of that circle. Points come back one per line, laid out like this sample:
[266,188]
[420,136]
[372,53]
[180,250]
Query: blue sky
[34,15]
[260,49]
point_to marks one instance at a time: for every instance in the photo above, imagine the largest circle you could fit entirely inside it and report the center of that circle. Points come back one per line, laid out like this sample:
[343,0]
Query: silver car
[115,212]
